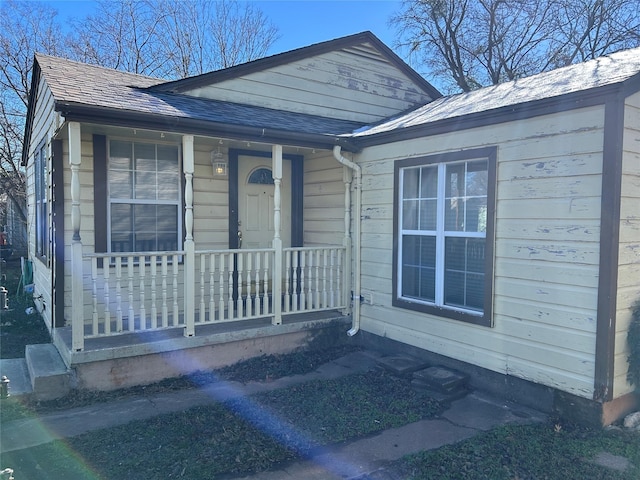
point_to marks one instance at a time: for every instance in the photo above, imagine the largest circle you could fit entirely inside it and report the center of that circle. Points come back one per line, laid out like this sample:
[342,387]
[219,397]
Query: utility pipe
[337,154]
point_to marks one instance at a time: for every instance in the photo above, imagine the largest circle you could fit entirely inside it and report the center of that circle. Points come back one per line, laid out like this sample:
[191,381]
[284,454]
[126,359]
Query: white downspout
[355,321]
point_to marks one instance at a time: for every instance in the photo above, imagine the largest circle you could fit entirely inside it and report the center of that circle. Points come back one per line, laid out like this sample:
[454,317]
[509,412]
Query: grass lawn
[17,328]
[528,452]
[238,437]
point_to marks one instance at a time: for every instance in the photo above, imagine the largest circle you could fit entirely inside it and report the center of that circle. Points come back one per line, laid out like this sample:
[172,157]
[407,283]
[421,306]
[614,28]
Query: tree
[172,39]
[24,29]
[166,38]
[467,44]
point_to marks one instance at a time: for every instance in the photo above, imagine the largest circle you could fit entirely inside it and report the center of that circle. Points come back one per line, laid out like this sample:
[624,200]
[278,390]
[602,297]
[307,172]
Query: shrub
[633,340]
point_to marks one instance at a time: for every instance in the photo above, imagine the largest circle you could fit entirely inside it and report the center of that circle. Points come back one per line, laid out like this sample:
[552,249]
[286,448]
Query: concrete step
[50,378]
[16,371]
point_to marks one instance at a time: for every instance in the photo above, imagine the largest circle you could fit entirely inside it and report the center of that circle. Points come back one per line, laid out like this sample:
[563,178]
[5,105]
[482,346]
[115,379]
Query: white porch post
[347,178]
[277,241]
[189,246]
[77,297]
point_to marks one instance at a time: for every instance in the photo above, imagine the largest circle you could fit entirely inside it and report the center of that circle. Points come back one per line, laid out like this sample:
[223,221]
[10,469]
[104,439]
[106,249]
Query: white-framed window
[143,197]
[41,204]
[443,234]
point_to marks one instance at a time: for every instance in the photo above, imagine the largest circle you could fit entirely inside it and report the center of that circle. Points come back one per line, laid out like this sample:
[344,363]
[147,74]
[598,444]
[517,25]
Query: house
[178,225]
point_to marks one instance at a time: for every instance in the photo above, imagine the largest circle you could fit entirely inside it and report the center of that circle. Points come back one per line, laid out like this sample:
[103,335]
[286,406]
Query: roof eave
[509,113]
[131,119]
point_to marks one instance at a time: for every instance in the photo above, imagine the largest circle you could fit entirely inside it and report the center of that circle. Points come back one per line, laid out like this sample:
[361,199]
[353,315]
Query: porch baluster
[203,266]
[221,263]
[230,312]
[132,313]
[143,286]
[332,302]
[176,309]
[317,292]
[287,282]
[118,294]
[165,306]
[107,294]
[325,254]
[239,308]
[265,288]
[295,294]
[154,296]
[94,294]
[303,286]
[212,285]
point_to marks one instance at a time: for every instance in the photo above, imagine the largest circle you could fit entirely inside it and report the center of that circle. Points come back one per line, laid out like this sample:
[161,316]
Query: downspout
[355,322]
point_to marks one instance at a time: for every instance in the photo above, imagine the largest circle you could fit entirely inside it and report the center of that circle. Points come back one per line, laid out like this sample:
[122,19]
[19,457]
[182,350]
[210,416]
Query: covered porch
[127,298]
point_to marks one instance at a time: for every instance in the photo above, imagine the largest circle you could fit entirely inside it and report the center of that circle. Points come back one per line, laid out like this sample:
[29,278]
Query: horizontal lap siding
[546,253]
[324,192]
[335,85]
[629,252]
[42,130]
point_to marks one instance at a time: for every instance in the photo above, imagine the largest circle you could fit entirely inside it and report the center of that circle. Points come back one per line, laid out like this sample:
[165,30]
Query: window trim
[102,199]
[484,318]
[41,213]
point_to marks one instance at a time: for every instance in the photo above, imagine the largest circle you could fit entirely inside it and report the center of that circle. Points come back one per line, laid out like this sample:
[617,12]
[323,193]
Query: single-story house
[178,224]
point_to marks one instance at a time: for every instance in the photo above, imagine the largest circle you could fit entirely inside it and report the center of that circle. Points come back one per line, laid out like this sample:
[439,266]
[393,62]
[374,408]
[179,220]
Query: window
[144,197]
[41,206]
[443,234]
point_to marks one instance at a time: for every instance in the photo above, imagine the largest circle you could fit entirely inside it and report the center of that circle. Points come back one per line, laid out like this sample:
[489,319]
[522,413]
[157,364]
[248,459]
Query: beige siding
[43,127]
[337,84]
[546,252]
[629,253]
[324,192]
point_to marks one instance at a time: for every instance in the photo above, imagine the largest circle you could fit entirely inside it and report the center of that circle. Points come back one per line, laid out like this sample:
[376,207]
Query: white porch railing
[135,292]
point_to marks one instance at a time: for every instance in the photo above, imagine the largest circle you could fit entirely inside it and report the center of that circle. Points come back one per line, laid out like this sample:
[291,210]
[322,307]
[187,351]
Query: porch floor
[171,339]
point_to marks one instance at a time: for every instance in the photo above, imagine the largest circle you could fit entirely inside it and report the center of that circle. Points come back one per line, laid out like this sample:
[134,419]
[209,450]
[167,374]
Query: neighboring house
[496,231]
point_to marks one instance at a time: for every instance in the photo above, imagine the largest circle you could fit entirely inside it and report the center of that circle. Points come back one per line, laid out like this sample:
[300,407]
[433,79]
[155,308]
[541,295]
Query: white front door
[255,202]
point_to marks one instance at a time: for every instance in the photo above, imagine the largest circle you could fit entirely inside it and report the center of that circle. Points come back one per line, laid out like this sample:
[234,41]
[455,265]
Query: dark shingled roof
[78,84]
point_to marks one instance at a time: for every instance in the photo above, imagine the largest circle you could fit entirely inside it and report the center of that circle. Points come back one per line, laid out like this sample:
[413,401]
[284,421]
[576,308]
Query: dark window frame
[41,183]
[484,318]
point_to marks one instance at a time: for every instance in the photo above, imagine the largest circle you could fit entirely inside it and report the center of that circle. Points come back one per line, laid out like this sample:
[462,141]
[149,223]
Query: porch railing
[144,291]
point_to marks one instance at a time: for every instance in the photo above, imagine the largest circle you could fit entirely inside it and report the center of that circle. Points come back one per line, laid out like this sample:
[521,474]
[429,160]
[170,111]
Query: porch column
[77,297]
[276,155]
[189,246]
[347,176]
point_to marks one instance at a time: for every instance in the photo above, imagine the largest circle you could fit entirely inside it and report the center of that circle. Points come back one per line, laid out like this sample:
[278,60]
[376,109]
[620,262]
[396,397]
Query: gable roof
[90,93]
[564,88]
[364,44]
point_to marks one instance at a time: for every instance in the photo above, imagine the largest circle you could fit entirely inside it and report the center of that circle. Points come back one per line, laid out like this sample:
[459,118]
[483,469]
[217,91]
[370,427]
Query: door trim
[297,194]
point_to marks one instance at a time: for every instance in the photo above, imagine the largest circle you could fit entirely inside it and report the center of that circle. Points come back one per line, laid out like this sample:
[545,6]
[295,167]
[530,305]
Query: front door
[255,202]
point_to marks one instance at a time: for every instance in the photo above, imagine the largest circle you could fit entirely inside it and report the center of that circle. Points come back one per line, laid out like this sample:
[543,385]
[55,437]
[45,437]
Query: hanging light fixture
[218,163]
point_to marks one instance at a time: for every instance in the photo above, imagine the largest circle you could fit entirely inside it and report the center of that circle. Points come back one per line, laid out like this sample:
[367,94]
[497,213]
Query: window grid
[441,236]
[144,197]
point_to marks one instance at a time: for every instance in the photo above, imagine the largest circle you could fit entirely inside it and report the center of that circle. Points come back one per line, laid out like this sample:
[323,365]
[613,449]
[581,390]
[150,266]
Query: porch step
[50,378]
[16,371]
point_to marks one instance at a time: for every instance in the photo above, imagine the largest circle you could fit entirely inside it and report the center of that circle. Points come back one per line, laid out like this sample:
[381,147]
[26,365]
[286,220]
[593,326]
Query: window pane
[464,272]
[410,183]
[120,184]
[121,228]
[428,214]
[410,214]
[429,182]
[120,155]
[146,185]
[418,267]
[168,187]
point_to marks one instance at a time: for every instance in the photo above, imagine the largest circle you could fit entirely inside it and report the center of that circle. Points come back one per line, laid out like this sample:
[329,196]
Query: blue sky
[301,22]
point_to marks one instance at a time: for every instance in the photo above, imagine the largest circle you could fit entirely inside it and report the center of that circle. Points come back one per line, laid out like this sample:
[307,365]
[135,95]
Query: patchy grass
[242,436]
[540,451]
[17,328]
